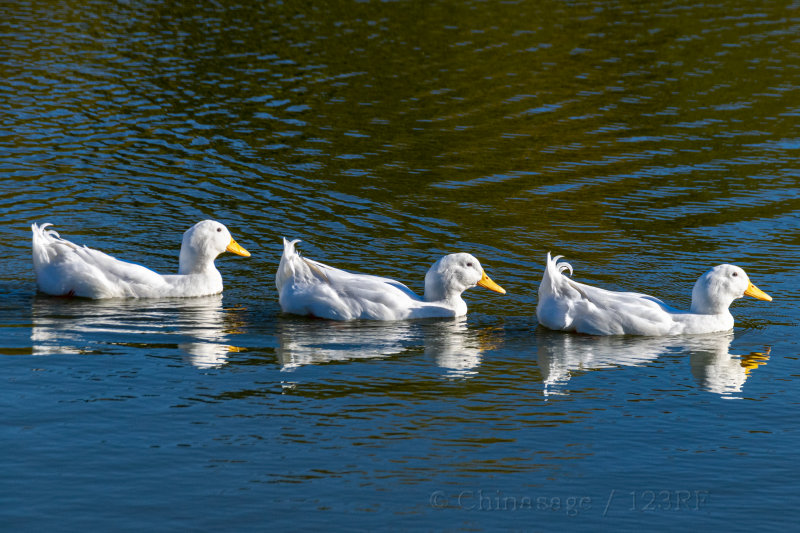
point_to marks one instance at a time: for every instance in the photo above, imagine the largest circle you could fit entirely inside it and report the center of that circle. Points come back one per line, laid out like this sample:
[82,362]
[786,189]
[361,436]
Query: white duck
[306,287]
[567,305]
[66,269]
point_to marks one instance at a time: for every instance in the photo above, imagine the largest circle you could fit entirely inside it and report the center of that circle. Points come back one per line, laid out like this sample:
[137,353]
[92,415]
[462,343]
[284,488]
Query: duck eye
[735,274]
[220,229]
[469,265]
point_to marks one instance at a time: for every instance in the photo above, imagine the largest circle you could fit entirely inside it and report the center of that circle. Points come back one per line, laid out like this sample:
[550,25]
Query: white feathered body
[307,287]
[567,305]
[65,269]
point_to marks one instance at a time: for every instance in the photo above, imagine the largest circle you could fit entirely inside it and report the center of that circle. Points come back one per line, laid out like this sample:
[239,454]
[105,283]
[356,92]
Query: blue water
[644,141]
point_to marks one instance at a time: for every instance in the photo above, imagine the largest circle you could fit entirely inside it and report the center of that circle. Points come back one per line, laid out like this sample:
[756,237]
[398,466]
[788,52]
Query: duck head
[453,274]
[714,292]
[202,243]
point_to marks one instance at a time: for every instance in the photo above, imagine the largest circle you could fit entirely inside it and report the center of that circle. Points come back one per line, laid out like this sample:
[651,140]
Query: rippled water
[644,141]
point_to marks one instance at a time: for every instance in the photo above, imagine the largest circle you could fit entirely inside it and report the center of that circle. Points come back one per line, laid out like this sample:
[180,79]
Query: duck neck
[440,295]
[193,262]
[704,304]
[448,298]
[433,293]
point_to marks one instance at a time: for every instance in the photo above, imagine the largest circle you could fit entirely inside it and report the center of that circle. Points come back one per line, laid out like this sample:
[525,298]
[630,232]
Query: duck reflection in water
[209,327]
[714,368]
[456,347]
[78,326]
[450,342]
[723,373]
[55,331]
[307,341]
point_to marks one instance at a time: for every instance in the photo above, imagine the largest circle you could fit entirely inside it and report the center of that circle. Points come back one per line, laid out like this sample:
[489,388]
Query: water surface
[644,141]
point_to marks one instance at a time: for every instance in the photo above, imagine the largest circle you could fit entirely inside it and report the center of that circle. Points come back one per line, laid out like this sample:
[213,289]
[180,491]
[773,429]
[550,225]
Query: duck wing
[308,287]
[565,304]
[64,268]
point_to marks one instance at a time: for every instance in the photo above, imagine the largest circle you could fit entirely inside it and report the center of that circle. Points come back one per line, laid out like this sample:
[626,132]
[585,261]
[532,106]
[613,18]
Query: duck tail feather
[560,267]
[289,246]
[286,269]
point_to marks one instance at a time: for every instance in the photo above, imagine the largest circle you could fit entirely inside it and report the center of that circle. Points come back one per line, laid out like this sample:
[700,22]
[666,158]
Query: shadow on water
[713,366]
